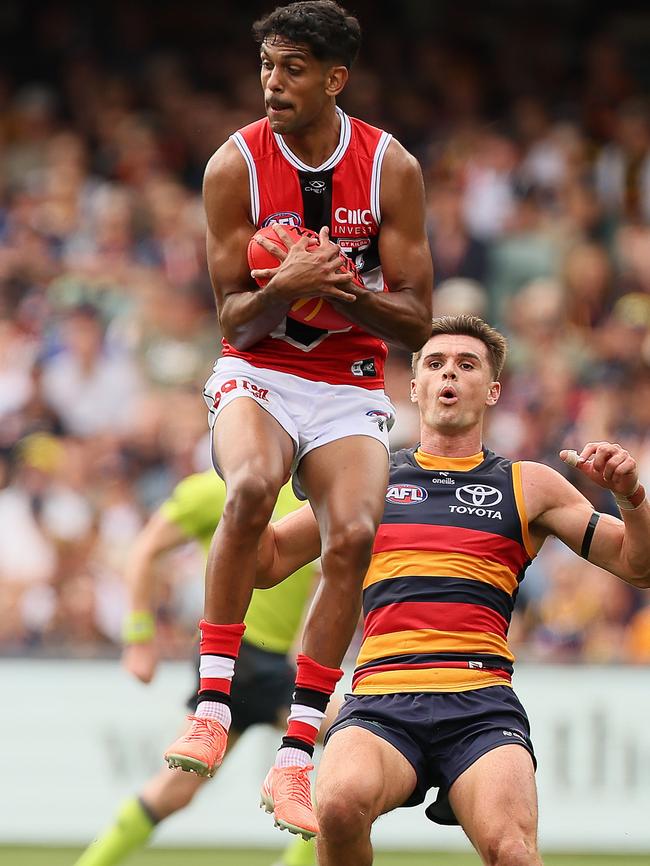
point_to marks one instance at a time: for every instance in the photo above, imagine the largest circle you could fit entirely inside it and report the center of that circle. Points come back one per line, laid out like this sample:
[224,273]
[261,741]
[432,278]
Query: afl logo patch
[284,217]
[479,495]
[406,494]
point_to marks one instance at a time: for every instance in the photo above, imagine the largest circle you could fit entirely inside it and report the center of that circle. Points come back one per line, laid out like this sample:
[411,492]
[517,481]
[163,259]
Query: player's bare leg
[346,483]
[360,777]
[495,801]
[255,454]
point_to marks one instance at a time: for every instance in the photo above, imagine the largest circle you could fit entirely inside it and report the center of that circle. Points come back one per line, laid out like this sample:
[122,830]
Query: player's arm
[402,315]
[247,313]
[157,536]
[557,508]
[285,546]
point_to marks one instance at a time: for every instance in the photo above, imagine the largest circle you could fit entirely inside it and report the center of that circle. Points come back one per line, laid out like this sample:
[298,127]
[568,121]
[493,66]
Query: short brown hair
[470,326]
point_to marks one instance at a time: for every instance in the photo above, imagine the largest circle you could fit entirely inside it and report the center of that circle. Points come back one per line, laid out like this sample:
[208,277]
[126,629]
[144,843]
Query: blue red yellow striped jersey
[448,558]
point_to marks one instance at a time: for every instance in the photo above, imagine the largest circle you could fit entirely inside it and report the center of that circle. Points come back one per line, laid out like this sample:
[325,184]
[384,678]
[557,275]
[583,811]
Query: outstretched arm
[621,546]
[286,546]
[158,535]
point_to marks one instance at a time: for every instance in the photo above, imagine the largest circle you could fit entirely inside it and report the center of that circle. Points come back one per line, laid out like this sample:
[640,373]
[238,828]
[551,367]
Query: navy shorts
[261,688]
[440,734]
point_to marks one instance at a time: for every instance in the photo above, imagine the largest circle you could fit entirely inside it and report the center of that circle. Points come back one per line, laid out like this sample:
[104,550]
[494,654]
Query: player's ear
[494,391]
[414,391]
[336,79]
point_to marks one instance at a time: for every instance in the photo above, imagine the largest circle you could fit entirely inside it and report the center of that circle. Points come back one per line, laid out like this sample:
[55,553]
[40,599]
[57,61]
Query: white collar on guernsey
[331,161]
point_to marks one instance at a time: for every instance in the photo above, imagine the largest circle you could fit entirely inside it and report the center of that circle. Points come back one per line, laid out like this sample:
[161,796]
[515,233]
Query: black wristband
[589,534]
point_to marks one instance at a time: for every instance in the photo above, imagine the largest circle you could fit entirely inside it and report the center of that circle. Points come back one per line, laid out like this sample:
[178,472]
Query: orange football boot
[286,793]
[200,749]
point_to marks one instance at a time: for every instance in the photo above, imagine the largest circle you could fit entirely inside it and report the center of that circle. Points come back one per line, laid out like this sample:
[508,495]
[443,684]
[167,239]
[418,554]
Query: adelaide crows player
[432,703]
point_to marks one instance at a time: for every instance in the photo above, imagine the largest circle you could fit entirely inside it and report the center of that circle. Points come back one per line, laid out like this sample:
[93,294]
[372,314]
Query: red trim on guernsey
[302,731]
[330,361]
[441,616]
[312,675]
[215,684]
[366,672]
[451,539]
[221,640]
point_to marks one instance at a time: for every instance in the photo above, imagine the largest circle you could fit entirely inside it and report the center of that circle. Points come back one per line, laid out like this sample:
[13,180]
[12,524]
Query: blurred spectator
[93,389]
[454,251]
[623,166]
[458,297]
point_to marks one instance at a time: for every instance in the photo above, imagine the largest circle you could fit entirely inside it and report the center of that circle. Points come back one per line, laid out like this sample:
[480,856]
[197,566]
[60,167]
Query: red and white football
[316,312]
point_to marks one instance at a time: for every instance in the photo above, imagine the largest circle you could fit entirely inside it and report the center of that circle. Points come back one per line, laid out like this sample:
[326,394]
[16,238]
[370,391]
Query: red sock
[219,649]
[315,684]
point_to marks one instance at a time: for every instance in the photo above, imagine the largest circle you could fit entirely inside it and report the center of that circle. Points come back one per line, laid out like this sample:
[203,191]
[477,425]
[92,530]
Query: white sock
[215,710]
[287,756]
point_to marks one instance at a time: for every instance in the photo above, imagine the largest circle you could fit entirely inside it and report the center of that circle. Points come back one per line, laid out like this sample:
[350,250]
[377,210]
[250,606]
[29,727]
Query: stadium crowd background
[532,123]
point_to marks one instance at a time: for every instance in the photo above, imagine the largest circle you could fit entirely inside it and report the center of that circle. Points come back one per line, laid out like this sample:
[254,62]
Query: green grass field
[221,857]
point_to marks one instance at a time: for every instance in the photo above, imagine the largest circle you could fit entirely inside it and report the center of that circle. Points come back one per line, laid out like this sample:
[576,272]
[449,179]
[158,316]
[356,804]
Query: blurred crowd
[535,145]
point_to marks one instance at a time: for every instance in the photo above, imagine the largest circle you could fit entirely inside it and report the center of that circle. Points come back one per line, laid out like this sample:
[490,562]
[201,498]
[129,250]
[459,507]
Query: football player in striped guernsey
[432,703]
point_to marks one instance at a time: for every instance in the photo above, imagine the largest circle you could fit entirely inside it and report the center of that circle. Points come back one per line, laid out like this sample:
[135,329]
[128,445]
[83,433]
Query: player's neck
[316,143]
[442,444]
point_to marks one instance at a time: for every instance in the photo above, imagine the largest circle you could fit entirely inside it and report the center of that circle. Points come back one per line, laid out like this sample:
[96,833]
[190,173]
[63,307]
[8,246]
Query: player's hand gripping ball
[316,312]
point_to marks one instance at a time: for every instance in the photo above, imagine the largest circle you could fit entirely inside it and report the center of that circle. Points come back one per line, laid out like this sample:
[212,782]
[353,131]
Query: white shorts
[312,413]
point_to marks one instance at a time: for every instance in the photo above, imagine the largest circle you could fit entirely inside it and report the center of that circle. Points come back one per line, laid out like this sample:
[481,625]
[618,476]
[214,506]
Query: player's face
[296,86]
[453,384]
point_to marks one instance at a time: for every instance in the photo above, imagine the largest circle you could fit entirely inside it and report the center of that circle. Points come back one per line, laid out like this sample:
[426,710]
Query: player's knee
[344,817]
[511,849]
[349,546]
[250,502]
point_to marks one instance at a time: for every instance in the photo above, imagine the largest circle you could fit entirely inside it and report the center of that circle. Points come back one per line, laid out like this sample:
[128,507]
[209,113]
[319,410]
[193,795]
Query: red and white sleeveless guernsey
[342,193]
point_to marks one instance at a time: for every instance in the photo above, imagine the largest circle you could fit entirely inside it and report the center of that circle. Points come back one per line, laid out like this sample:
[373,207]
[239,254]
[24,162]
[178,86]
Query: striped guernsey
[448,558]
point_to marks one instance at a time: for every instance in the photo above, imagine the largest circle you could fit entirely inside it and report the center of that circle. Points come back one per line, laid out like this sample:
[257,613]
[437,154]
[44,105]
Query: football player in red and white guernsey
[288,396]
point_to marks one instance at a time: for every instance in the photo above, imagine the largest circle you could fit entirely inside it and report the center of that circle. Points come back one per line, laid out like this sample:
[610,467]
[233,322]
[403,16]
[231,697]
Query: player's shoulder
[545,487]
[400,161]
[226,163]
[533,472]
[396,154]
[231,159]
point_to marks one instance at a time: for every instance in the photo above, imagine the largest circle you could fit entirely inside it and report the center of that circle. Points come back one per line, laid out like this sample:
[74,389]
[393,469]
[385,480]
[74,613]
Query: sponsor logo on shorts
[240,385]
[381,419]
[406,494]
[284,217]
[365,367]
[514,734]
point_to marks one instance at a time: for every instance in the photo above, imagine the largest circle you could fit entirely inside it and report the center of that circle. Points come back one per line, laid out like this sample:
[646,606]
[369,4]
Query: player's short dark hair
[323,26]
[470,326]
